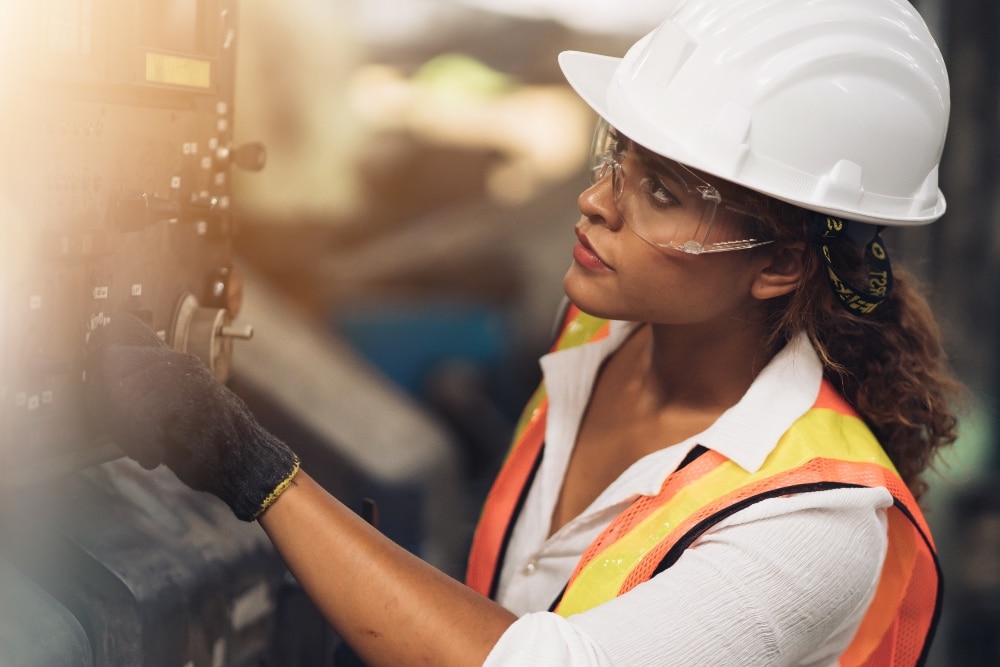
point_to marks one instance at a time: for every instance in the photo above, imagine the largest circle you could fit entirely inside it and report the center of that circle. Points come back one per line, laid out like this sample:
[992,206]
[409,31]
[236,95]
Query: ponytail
[888,363]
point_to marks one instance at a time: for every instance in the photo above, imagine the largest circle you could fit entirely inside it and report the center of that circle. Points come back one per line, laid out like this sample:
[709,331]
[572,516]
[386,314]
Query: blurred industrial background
[424,204]
[402,253]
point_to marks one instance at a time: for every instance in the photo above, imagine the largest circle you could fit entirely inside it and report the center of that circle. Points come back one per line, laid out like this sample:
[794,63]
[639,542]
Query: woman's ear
[784,270]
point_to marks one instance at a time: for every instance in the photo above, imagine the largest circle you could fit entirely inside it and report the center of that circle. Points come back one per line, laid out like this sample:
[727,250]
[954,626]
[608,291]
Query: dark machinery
[116,132]
[117,148]
[116,139]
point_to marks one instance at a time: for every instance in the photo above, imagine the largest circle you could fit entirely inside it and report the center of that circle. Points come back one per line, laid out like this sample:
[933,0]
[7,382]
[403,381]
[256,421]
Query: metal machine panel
[116,137]
[116,142]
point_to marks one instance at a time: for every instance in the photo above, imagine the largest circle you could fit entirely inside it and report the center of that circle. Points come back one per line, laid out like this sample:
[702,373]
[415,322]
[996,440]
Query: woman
[722,464]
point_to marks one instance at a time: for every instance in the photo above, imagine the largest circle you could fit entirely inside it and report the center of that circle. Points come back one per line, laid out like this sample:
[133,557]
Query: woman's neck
[696,367]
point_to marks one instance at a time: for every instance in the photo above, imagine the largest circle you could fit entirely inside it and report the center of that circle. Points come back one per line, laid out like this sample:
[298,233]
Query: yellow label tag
[178,70]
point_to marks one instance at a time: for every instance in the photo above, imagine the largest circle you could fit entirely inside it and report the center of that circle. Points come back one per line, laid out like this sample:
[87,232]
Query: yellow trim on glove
[278,490]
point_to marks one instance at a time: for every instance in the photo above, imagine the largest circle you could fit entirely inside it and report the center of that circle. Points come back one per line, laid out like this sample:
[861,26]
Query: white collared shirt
[783,582]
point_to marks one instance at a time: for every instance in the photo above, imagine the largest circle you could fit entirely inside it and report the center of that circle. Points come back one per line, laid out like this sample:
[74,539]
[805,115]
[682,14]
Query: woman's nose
[597,202]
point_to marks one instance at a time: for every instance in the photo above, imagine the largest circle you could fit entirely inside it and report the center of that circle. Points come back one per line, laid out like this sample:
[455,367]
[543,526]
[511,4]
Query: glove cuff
[278,490]
[259,471]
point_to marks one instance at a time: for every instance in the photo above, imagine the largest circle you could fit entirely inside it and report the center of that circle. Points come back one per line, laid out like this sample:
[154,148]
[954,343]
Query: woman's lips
[585,255]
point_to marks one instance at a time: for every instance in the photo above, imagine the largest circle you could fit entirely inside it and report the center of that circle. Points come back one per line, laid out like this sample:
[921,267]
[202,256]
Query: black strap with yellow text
[861,301]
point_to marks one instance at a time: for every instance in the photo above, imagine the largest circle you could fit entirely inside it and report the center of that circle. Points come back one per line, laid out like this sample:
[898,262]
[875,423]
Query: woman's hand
[163,406]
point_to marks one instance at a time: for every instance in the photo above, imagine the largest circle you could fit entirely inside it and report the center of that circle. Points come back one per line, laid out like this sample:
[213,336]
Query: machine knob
[207,333]
[244,333]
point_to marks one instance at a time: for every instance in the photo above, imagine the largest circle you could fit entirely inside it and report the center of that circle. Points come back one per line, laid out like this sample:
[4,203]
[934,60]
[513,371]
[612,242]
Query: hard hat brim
[590,75]
[593,77]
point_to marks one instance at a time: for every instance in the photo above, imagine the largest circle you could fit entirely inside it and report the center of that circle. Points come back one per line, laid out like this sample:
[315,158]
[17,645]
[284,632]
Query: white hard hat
[838,106]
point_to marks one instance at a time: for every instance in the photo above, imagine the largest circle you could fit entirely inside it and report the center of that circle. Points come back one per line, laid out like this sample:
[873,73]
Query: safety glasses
[666,204]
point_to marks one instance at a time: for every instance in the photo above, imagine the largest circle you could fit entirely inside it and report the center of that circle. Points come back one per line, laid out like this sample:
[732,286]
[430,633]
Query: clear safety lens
[665,203]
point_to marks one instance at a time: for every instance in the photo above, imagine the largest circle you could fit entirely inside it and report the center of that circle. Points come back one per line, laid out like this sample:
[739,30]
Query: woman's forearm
[388,604]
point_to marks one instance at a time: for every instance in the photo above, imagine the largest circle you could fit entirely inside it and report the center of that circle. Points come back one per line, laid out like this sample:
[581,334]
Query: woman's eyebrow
[662,166]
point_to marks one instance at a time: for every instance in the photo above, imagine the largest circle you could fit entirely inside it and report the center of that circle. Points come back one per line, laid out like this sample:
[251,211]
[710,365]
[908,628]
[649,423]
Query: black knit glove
[163,406]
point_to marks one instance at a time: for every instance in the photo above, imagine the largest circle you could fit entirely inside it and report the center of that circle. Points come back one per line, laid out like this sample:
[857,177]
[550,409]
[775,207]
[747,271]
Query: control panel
[116,137]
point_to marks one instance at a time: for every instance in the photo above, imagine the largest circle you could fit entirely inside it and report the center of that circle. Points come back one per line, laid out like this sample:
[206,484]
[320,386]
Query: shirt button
[530,567]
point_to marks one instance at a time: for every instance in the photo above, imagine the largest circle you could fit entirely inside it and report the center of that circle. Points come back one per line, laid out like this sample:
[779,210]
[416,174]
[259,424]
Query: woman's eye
[659,194]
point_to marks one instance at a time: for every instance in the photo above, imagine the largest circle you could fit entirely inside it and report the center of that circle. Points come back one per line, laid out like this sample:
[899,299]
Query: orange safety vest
[828,447]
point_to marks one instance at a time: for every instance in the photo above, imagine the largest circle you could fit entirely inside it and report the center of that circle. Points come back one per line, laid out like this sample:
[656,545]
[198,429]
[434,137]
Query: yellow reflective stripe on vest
[811,438]
[579,329]
[582,328]
[533,411]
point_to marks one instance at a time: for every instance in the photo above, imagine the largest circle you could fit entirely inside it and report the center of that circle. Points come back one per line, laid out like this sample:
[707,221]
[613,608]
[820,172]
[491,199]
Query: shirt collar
[787,387]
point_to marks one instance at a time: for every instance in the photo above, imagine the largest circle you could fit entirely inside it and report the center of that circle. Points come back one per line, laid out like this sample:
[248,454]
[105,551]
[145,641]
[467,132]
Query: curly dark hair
[890,364]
